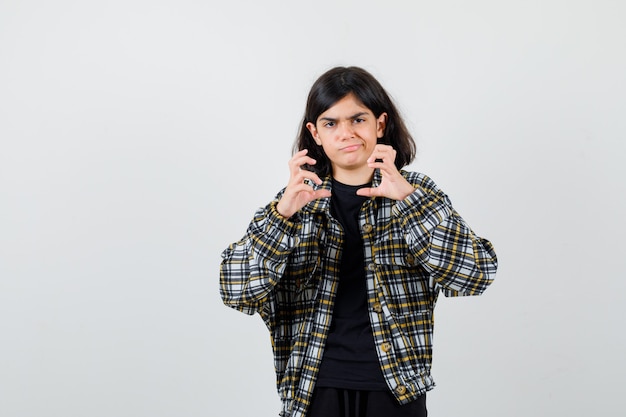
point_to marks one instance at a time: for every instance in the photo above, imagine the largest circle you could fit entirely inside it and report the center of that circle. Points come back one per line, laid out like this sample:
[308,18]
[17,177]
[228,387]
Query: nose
[346,130]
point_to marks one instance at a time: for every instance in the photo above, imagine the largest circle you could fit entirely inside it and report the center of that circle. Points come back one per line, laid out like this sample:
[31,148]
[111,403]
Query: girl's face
[348,132]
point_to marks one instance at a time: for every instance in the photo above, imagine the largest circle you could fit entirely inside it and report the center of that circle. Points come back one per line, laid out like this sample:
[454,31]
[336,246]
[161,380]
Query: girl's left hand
[393,185]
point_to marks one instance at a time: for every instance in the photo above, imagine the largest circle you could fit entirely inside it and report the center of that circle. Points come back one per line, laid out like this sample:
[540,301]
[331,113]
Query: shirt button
[410,259]
[386,347]
[367,228]
[371,267]
[377,307]
[400,390]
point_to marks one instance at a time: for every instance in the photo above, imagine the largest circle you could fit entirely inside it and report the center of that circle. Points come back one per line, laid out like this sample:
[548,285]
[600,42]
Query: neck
[354,176]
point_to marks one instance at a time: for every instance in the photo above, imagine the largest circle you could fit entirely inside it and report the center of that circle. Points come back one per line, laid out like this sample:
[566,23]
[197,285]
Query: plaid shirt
[287,271]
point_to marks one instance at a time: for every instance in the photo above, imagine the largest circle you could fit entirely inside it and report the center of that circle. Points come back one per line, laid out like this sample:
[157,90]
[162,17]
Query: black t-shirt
[350,360]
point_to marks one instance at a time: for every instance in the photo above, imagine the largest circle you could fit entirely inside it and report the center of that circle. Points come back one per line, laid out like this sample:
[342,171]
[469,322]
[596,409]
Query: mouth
[351,148]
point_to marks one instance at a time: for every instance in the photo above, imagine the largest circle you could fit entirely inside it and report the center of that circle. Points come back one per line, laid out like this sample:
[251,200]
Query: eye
[329,124]
[359,120]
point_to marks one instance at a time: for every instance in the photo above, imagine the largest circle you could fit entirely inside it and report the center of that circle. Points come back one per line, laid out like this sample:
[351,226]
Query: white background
[138,138]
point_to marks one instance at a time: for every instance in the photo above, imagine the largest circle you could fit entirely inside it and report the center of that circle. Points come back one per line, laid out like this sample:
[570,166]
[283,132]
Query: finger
[381,155]
[299,154]
[385,167]
[310,195]
[303,154]
[307,176]
[300,188]
[367,192]
[299,160]
[297,164]
[322,193]
[385,148]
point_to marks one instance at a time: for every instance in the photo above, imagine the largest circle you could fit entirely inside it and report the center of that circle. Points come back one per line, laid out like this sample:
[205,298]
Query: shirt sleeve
[458,261]
[252,267]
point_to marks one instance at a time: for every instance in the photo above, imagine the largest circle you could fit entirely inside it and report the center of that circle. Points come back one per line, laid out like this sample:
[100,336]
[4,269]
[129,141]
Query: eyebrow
[354,116]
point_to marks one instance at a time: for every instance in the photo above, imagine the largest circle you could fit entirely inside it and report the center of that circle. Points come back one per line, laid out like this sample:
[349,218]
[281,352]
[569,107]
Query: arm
[458,261]
[252,267]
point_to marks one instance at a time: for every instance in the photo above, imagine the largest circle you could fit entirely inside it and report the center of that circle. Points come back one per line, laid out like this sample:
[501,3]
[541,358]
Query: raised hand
[393,185]
[299,191]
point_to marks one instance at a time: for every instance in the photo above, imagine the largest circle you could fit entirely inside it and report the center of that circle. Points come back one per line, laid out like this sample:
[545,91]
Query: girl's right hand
[299,191]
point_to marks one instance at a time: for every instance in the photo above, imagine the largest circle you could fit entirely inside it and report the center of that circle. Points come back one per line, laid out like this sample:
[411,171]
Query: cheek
[326,148]
[374,133]
[327,138]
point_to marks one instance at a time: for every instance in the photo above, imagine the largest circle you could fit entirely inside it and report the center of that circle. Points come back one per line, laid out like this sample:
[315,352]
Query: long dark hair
[334,85]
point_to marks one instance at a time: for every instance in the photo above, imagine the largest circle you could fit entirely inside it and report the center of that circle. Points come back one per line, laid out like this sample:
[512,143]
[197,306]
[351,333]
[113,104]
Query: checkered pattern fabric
[286,270]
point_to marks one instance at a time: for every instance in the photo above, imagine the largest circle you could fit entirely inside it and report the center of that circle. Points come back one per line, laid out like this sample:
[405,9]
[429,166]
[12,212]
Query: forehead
[346,107]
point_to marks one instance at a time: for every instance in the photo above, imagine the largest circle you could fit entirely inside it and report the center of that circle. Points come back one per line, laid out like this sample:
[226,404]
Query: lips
[351,148]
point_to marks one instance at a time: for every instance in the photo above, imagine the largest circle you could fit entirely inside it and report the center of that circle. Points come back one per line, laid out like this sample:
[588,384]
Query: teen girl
[346,263]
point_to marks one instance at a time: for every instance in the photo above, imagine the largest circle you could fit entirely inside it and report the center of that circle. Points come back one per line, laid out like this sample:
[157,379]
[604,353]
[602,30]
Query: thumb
[366,192]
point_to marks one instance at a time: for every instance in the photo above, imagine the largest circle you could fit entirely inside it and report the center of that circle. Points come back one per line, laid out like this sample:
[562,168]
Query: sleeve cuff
[288,226]
[414,201]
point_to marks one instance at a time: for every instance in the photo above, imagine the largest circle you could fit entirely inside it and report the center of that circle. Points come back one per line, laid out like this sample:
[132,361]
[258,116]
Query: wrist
[282,212]
[407,191]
